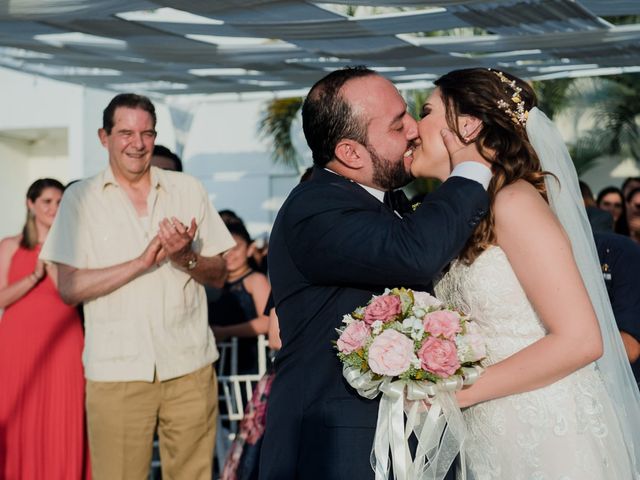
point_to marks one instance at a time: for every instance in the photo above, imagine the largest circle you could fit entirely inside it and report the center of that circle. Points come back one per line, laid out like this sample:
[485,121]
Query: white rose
[471,347]
[376,327]
[348,319]
[415,362]
[425,300]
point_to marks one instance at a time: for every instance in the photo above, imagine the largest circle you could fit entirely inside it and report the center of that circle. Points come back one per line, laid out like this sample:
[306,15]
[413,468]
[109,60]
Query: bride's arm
[541,257]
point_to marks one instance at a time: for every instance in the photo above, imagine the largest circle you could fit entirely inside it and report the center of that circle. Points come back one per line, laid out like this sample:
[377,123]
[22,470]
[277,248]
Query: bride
[557,399]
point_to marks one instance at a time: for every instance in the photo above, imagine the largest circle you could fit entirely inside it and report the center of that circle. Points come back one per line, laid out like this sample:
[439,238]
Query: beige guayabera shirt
[157,321]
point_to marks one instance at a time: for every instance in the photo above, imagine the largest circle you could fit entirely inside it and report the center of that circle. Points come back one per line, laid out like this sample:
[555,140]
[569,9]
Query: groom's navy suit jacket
[332,247]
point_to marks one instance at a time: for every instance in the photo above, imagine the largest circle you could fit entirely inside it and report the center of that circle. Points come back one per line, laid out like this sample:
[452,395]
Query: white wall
[224,151]
[13,185]
[26,155]
[33,126]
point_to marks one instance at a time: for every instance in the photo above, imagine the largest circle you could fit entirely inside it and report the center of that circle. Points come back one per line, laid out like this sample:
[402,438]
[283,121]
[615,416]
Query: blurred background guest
[600,220]
[165,159]
[42,420]
[611,200]
[228,216]
[620,262]
[632,207]
[630,183]
[619,259]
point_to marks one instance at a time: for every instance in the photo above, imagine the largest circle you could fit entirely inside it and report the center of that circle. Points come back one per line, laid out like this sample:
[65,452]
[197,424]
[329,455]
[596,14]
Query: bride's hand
[459,152]
[462,397]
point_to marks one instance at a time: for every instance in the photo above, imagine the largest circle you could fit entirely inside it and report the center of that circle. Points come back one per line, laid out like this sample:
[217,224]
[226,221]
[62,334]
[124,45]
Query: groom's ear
[348,153]
[469,127]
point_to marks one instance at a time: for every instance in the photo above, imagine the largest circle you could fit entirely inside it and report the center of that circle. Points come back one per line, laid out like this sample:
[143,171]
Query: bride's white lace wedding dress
[565,431]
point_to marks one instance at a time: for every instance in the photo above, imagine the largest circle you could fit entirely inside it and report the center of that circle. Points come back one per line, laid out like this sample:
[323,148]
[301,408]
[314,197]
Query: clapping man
[136,244]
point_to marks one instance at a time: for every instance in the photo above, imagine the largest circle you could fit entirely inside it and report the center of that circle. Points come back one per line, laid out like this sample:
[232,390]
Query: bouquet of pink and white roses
[414,350]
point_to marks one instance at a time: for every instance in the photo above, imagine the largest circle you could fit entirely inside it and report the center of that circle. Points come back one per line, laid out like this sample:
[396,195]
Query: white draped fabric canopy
[232,46]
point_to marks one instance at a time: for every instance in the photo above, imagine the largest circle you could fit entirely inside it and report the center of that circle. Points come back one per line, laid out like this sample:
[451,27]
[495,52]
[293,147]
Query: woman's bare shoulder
[10,243]
[255,278]
[8,247]
[522,216]
[519,199]
[521,192]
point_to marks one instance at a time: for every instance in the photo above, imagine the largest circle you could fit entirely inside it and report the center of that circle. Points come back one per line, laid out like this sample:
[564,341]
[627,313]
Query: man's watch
[192,262]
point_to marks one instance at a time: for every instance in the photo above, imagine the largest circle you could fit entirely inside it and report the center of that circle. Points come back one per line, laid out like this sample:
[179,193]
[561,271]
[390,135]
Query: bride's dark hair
[502,140]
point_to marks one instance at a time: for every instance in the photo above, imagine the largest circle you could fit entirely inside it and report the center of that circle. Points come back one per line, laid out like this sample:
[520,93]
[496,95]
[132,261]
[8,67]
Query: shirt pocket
[111,340]
[183,299]
[114,242]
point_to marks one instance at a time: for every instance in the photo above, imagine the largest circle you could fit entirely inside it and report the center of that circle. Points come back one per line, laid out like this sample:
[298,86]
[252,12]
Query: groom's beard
[387,174]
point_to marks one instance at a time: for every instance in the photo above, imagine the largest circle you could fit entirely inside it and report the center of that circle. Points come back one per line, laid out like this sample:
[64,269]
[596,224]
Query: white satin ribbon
[432,415]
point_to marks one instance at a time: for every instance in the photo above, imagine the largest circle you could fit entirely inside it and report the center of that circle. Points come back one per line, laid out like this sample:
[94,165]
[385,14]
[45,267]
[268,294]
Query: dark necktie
[396,200]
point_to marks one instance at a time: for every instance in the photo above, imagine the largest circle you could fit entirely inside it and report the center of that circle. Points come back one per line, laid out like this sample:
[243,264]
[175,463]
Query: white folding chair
[234,390]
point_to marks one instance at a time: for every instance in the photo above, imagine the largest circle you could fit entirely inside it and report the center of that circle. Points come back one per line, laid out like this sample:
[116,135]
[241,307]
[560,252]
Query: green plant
[615,106]
[275,126]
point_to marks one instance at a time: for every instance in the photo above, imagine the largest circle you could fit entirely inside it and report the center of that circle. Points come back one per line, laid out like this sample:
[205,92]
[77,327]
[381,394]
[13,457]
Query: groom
[335,244]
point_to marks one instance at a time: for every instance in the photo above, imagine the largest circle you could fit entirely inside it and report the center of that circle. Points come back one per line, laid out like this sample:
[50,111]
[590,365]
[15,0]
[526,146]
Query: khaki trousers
[122,418]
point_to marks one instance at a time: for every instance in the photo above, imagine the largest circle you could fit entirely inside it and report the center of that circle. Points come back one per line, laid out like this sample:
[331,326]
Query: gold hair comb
[520,115]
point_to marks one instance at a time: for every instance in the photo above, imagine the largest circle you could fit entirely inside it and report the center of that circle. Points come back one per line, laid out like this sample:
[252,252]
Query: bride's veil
[566,201]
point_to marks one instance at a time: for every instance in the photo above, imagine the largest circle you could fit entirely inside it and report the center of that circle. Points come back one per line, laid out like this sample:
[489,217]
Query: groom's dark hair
[327,117]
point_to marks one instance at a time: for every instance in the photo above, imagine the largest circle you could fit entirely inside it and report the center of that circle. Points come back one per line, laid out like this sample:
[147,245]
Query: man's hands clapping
[153,254]
[173,241]
[176,240]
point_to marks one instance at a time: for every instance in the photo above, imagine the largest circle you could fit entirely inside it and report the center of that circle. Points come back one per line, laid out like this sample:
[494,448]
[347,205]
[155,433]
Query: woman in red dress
[42,425]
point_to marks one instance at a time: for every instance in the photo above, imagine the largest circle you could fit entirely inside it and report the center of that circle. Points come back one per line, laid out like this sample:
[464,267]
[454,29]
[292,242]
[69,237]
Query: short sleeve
[212,235]
[66,240]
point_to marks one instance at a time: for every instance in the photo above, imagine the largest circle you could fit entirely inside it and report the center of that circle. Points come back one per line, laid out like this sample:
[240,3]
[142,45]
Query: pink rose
[390,353]
[442,322]
[439,357]
[384,308]
[353,337]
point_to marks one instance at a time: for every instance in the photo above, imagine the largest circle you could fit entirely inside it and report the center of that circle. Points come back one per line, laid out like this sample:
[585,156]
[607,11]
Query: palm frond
[415,100]
[553,95]
[616,110]
[612,103]
[589,147]
[275,126]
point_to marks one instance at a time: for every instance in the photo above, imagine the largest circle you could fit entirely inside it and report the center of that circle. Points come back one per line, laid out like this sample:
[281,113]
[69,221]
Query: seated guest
[238,312]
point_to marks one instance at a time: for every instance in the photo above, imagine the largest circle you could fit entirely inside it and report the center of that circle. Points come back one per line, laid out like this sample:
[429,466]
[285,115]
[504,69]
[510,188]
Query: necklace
[232,277]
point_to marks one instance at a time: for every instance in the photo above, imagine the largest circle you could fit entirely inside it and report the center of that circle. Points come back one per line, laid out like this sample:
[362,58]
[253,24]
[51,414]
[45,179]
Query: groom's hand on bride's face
[458,151]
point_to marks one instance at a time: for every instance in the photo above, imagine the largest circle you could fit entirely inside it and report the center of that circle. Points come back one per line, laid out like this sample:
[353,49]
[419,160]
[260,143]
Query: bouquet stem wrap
[425,409]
